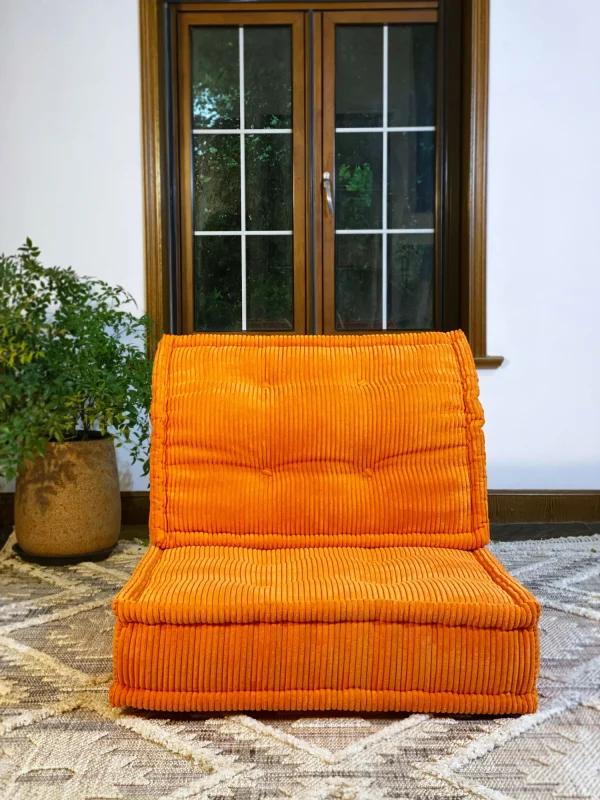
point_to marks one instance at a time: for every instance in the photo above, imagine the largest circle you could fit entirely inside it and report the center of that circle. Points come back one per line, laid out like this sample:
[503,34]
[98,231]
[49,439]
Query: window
[379,140]
[241,177]
[319,161]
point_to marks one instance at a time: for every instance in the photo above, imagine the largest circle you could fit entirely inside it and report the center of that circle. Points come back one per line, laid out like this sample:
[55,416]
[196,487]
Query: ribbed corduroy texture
[314,505]
[219,585]
[297,441]
[381,657]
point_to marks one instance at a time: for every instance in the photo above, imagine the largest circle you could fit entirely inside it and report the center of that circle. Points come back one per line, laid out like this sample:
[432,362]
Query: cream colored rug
[60,738]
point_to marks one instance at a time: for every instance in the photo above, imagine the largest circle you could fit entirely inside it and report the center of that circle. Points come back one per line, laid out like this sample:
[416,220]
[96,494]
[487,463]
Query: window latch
[327,189]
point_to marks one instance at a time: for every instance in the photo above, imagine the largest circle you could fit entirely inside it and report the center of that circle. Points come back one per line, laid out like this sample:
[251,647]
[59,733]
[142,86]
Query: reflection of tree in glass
[215,77]
[217,283]
[217,183]
[214,110]
[410,285]
[217,279]
[270,299]
[269,182]
[358,282]
[357,183]
[270,282]
[411,174]
[217,208]
[358,76]
[358,272]
[217,312]
[268,76]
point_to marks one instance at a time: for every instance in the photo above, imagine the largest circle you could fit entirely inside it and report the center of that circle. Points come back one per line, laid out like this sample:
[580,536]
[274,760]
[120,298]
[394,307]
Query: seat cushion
[407,628]
[300,441]
[218,585]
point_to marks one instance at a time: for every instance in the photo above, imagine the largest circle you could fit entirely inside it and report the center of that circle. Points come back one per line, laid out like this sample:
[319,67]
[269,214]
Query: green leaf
[73,358]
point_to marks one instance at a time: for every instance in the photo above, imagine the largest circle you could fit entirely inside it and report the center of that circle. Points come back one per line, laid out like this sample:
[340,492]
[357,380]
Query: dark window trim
[467,233]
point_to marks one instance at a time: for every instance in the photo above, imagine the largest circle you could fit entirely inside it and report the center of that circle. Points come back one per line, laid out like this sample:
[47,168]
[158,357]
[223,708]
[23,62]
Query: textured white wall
[543,406]
[71,180]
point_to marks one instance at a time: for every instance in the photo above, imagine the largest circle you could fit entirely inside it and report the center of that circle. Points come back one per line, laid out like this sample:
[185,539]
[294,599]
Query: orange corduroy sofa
[318,527]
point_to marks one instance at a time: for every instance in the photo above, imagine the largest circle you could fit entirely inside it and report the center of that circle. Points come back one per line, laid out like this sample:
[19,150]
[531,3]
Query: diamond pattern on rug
[82,755]
[24,597]
[26,685]
[82,641]
[60,738]
[317,731]
[559,758]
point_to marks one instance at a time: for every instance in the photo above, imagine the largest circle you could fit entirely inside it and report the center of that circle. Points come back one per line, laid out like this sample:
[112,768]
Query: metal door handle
[328,194]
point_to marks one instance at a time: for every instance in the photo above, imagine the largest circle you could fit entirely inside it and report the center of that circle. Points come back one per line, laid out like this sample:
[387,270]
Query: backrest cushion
[300,441]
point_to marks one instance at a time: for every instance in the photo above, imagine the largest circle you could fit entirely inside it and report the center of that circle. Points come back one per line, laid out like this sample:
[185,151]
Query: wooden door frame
[158,245]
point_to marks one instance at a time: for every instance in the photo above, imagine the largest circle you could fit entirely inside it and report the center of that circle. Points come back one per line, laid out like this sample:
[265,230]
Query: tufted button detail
[266,471]
[368,472]
[363,383]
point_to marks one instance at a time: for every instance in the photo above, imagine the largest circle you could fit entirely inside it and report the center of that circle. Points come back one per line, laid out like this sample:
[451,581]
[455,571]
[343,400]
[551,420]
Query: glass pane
[215,77]
[268,77]
[411,180]
[410,281]
[270,283]
[269,182]
[358,180]
[358,76]
[217,283]
[412,69]
[357,281]
[217,182]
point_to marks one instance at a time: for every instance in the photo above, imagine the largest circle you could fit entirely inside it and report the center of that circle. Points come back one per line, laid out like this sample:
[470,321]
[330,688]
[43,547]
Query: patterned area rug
[60,738]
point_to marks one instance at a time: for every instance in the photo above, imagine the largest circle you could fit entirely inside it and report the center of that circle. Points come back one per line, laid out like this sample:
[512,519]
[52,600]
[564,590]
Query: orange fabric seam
[325,700]
[275,541]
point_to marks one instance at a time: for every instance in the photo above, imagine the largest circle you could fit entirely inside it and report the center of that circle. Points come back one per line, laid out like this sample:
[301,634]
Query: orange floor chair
[318,527]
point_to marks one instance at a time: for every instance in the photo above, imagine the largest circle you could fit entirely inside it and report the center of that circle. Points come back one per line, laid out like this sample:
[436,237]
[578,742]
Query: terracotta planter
[67,505]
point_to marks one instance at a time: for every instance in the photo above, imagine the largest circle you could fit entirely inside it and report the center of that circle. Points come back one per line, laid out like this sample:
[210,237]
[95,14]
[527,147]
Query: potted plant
[75,379]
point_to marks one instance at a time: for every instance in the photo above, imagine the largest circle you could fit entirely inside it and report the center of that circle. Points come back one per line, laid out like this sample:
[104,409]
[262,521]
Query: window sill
[488,362]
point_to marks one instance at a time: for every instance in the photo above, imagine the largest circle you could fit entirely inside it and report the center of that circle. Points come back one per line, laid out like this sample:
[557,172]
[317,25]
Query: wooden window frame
[160,249]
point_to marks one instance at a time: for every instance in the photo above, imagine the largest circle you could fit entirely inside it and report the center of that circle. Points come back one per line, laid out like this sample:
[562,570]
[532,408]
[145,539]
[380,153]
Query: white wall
[543,406]
[70,151]
[71,179]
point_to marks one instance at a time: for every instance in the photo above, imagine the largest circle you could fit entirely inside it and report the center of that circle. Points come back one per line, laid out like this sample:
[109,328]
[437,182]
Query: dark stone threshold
[510,532]
[521,531]
[513,532]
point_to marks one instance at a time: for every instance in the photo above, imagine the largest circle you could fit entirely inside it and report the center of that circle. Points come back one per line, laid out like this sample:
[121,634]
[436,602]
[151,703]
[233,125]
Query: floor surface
[60,739]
